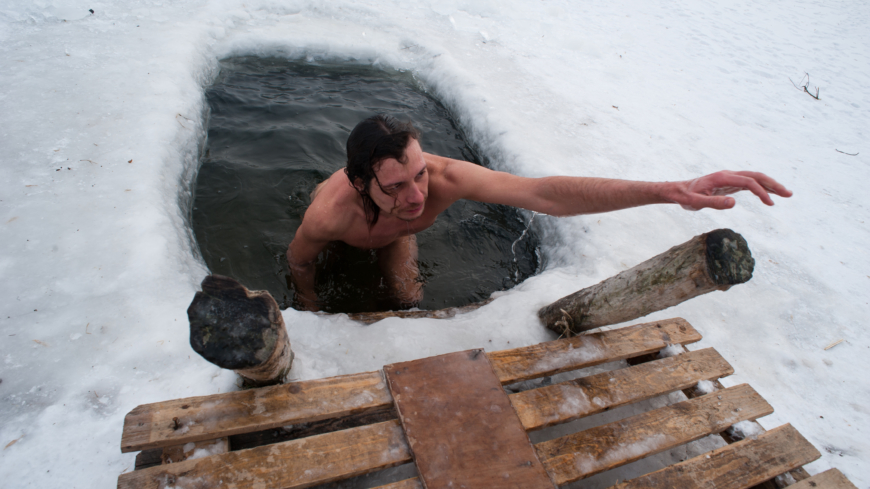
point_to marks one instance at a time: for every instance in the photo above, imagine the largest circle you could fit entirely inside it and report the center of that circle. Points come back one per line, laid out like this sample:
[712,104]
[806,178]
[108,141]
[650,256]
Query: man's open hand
[711,190]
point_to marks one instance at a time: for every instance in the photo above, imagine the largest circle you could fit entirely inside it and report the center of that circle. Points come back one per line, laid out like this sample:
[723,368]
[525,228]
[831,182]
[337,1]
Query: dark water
[277,129]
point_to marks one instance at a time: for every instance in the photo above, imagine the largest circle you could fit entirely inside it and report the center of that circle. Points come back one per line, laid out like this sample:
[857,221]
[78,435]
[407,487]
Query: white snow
[670,351]
[101,121]
[745,429]
[207,450]
[705,387]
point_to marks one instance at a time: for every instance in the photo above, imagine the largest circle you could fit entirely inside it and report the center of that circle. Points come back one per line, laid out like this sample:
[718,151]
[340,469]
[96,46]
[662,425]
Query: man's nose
[415,195]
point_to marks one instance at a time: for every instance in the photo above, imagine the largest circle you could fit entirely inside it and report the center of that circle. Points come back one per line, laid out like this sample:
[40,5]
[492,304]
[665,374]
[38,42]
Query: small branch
[804,86]
[845,153]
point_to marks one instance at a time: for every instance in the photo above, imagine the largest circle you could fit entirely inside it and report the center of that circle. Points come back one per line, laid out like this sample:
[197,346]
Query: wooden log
[239,329]
[740,465]
[712,261]
[578,398]
[580,455]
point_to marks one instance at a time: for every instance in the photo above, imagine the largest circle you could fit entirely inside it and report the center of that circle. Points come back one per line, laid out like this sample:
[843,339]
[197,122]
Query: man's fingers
[710,191]
[768,183]
[739,180]
[719,202]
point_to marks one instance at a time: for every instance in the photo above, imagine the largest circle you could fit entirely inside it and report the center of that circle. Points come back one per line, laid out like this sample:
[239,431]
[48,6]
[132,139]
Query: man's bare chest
[385,231]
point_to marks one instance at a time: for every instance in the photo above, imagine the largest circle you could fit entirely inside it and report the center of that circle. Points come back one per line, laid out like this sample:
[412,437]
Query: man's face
[405,186]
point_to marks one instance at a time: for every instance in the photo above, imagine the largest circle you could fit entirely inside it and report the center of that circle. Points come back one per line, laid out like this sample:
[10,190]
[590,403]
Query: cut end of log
[233,327]
[729,261]
[706,263]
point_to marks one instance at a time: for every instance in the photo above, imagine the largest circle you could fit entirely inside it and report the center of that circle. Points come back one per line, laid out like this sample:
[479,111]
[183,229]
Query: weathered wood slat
[302,430]
[232,413]
[589,452]
[209,417]
[829,479]
[460,425]
[567,401]
[293,464]
[736,466]
[587,350]
[798,474]
[413,483]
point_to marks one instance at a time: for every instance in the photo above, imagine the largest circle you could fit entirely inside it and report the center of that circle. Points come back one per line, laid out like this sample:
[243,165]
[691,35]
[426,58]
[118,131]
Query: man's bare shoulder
[452,179]
[446,176]
[334,209]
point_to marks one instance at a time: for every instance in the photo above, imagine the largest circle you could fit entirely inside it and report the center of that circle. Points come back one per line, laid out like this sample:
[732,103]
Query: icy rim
[102,116]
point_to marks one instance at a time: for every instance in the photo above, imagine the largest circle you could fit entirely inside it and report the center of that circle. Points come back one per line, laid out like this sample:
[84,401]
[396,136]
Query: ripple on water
[277,129]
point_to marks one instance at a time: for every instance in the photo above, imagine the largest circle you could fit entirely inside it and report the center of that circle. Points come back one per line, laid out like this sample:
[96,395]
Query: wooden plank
[567,401]
[208,417]
[798,474]
[413,483]
[460,425]
[736,466]
[293,464]
[587,350]
[589,452]
[829,479]
[194,419]
[302,430]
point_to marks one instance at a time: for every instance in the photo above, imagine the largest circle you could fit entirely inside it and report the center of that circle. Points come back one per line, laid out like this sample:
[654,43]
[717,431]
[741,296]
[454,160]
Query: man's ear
[358,185]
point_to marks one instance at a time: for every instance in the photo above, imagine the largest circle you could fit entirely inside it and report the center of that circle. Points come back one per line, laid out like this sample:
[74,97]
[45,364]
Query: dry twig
[804,85]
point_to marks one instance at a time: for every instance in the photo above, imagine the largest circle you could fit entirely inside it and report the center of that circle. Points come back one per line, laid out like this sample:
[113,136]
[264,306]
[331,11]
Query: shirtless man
[391,190]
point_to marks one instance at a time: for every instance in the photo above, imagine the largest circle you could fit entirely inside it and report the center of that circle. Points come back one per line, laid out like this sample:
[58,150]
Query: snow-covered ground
[101,118]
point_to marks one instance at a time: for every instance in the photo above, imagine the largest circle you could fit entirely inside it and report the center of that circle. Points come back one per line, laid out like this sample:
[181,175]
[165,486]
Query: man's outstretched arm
[568,196]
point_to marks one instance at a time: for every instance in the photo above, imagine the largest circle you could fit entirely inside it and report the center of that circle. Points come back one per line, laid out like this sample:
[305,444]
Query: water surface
[277,129]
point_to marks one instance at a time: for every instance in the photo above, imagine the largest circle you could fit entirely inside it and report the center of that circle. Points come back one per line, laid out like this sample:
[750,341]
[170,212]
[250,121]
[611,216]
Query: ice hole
[277,128]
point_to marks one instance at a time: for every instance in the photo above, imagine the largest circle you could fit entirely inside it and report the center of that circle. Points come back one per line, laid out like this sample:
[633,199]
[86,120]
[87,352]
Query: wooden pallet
[313,432]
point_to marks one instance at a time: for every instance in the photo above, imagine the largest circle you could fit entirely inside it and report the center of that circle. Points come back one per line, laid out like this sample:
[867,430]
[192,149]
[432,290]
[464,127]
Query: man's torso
[339,202]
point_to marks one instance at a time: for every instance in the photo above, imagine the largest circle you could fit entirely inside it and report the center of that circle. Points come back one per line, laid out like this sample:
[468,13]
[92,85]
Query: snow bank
[103,117]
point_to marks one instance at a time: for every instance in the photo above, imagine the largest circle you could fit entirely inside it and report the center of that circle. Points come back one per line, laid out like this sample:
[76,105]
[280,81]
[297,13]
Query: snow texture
[671,351]
[745,429]
[705,387]
[102,117]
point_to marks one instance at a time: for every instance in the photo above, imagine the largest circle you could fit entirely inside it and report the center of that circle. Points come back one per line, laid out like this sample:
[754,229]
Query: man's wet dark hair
[373,140]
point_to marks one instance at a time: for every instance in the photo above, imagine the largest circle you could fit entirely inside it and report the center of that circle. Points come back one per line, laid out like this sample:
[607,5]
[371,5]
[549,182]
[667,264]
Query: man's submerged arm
[301,256]
[567,196]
